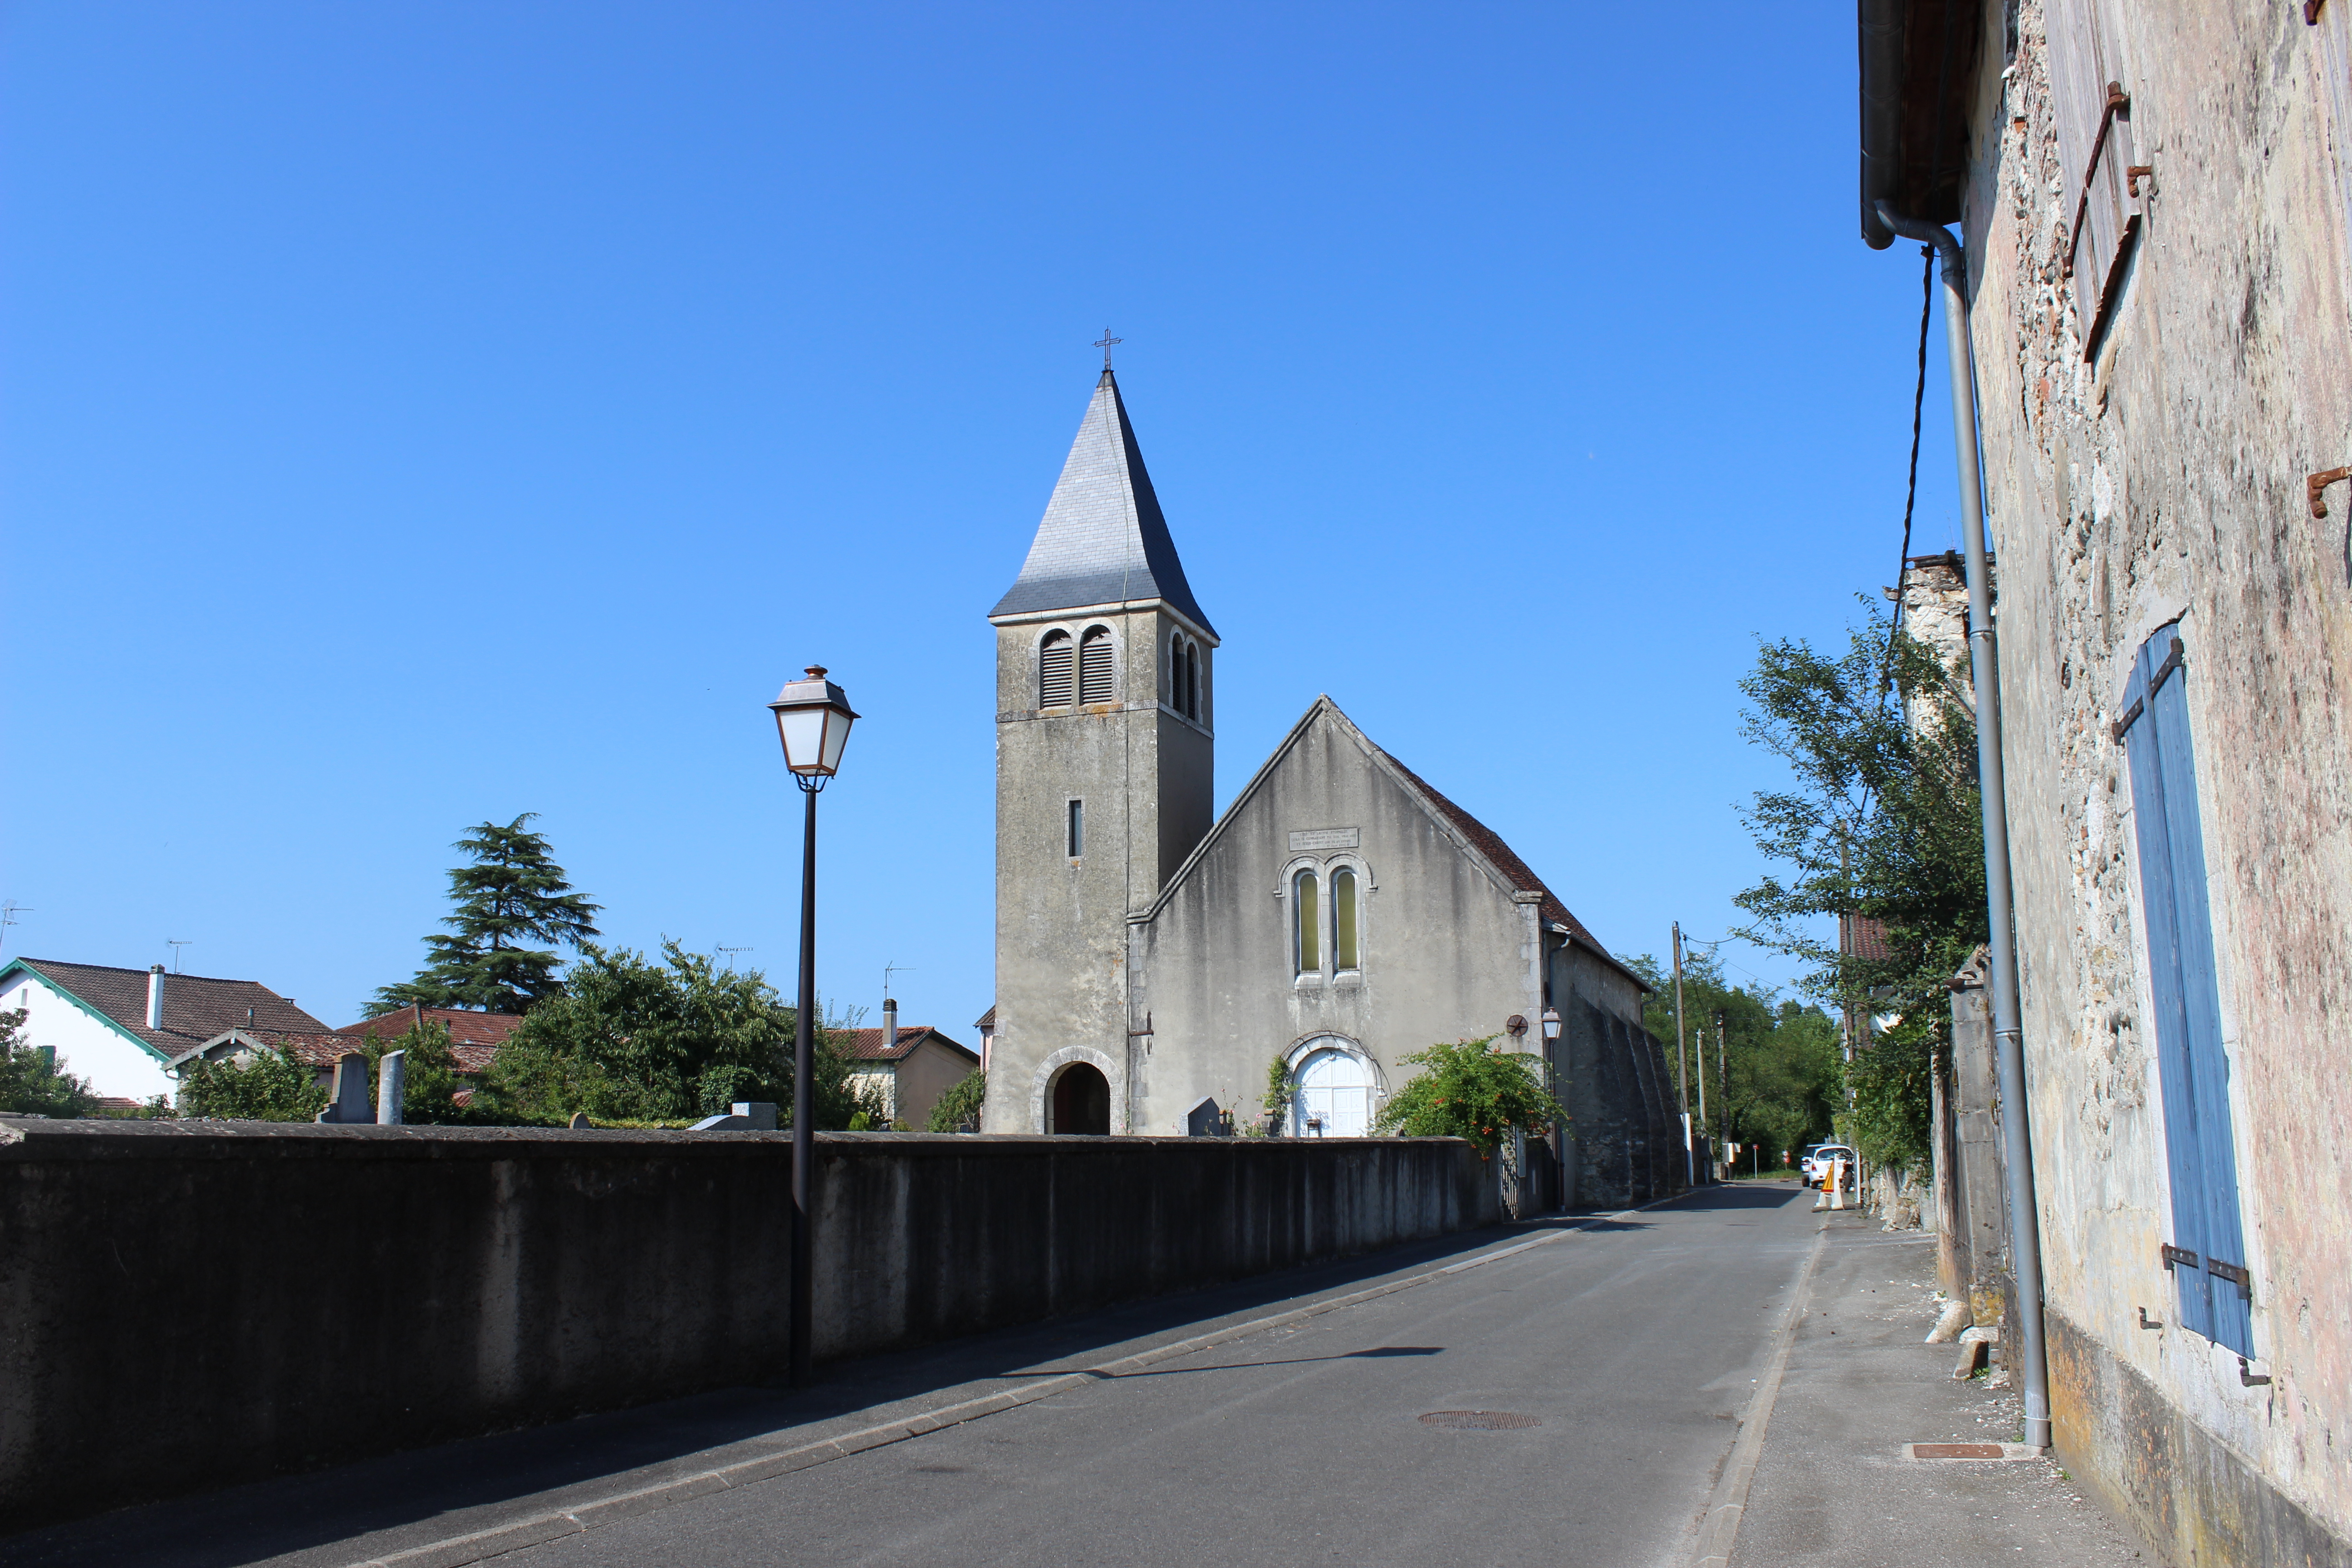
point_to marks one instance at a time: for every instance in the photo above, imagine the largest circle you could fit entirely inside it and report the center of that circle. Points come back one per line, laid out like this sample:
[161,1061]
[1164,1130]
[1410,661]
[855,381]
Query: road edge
[1720,1527]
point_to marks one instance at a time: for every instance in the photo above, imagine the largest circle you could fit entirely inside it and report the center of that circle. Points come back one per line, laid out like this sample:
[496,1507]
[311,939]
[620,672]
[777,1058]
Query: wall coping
[24,1139]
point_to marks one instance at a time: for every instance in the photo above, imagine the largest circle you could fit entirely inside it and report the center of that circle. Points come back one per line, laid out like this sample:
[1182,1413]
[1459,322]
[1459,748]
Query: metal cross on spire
[1104,343]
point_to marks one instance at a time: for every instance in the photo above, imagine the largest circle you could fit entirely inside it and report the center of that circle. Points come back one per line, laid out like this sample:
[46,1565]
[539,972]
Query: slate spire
[1103,541]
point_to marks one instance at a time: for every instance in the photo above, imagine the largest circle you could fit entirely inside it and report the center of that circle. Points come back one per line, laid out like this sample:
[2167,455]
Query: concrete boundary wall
[191,1305]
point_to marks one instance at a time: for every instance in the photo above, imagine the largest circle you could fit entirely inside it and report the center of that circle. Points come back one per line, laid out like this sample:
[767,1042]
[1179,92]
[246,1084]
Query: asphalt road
[1633,1347]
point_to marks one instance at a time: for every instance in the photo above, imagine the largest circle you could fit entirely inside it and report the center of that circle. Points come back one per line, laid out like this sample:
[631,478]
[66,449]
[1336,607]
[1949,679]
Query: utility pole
[1682,1076]
[1700,1042]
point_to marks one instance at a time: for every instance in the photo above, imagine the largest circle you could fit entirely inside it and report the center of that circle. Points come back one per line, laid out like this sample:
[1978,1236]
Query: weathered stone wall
[185,1306]
[2161,478]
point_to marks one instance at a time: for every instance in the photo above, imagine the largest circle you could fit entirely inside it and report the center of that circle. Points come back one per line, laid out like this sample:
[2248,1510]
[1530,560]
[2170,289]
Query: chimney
[889,1023]
[155,997]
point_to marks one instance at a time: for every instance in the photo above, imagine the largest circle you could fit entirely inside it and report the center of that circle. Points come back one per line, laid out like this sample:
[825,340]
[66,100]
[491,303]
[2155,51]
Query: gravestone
[348,1098]
[1204,1119]
[390,1085]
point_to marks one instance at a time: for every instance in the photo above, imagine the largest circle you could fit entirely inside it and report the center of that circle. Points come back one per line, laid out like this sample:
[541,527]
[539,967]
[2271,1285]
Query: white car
[1817,1163]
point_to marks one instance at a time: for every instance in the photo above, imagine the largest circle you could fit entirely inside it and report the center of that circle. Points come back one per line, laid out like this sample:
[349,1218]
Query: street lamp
[812,720]
[1551,1024]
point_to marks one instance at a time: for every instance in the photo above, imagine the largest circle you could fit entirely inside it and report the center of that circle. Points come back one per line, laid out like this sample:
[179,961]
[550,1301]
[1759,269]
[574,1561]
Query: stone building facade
[2153,201]
[1156,966]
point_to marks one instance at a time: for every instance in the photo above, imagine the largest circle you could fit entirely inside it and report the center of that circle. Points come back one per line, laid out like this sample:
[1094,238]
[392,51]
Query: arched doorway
[1081,1101]
[1334,1099]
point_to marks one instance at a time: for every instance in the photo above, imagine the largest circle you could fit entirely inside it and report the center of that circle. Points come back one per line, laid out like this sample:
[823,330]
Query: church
[1156,963]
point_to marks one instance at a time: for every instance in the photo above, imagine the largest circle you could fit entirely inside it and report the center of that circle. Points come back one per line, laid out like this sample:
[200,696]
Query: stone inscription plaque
[1328,838]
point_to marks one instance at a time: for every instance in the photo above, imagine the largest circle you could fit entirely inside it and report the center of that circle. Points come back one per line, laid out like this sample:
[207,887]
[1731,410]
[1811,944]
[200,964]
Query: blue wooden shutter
[2201,1148]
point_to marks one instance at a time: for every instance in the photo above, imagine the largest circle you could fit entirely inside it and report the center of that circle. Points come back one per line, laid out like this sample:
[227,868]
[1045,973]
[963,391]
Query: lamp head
[812,720]
[1551,1023]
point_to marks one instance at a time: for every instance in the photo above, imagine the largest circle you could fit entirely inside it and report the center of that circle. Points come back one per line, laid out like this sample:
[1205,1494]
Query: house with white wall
[118,1028]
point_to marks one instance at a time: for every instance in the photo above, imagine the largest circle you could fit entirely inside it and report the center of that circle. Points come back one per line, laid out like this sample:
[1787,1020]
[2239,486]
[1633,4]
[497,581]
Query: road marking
[474,1546]
[1720,1525]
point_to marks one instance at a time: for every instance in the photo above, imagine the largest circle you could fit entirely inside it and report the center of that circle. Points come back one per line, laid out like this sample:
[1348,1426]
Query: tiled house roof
[865,1045]
[196,1008]
[465,1026]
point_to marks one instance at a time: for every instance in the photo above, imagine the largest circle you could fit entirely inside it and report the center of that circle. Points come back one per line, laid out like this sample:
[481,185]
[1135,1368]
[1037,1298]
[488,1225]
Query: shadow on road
[432,1488]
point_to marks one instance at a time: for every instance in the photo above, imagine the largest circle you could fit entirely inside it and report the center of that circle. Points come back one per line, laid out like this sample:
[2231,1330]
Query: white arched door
[1334,1098]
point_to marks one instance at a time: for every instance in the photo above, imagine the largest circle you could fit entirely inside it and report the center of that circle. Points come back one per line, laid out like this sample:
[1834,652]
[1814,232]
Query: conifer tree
[509,899]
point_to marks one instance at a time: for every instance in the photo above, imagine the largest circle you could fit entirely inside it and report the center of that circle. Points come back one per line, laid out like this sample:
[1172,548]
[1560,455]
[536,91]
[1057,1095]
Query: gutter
[1984,664]
[1879,30]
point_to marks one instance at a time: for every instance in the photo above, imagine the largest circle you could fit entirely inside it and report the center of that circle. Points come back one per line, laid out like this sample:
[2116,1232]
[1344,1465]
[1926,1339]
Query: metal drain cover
[1480,1420]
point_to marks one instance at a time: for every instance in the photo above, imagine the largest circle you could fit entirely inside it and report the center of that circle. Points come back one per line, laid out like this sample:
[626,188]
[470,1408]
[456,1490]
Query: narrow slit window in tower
[1306,923]
[1078,828]
[1054,671]
[1095,683]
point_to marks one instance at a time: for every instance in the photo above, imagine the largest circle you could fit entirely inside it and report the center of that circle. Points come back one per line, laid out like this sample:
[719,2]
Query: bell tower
[1105,742]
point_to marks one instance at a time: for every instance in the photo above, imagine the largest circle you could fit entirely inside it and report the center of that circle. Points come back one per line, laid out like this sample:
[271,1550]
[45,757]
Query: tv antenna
[8,913]
[175,947]
[731,951]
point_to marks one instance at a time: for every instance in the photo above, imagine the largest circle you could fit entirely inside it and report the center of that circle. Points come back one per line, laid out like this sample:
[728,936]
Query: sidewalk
[1832,1488]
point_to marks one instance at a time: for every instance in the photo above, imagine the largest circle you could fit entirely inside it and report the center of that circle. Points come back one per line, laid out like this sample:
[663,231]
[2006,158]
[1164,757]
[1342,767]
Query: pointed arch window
[1054,670]
[1344,954]
[1305,923]
[1192,680]
[1095,667]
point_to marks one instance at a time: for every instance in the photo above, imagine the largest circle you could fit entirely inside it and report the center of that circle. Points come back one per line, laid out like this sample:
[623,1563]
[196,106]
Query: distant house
[121,1028]
[911,1071]
[474,1040]
[987,1027]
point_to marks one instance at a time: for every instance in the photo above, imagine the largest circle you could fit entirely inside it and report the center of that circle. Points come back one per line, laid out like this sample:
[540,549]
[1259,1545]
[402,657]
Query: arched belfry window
[1054,670]
[1095,667]
[1184,676]
[1344,954]
[1305,923]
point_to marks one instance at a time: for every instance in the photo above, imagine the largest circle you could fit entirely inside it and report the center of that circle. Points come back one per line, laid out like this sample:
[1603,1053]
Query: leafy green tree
[270,1085]
[511,897]
[30,1080]
[633,1040]
[1772,1080]
[1470,1091]
[1882,819]
[958,1109]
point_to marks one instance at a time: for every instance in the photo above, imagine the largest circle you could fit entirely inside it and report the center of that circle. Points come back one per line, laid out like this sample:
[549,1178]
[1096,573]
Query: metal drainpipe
[2009,1036]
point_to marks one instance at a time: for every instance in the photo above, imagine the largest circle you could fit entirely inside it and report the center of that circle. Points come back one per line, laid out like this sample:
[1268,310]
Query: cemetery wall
[190,1305]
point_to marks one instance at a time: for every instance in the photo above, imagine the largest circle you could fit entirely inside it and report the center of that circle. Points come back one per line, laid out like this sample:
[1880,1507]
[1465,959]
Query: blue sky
[419,413]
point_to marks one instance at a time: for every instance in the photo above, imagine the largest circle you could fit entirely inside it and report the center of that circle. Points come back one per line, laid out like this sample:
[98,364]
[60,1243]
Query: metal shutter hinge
[2116,729]
[2233,1274]
[2173,1255]
[2250,1378]
[2316,483]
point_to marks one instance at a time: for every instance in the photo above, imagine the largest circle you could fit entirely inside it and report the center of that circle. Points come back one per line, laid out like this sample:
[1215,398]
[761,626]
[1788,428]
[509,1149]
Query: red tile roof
[196,1008]
[1863,937]
[865,1045]
[465,1026]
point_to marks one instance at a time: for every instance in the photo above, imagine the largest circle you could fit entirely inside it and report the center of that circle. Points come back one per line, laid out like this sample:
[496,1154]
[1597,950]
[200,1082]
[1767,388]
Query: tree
[271,1085]
[633,1040]
[958,1109]
[1772,1078]
[511,897]
[31,1084]
[1470,1091]
[1881,821]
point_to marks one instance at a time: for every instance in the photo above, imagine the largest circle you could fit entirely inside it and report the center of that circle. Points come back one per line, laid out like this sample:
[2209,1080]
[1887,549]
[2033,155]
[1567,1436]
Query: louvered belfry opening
[1053,669]
[1095,683]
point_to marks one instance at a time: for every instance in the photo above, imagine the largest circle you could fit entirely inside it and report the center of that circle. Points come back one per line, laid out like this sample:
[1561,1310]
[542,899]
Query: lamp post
[812,720]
